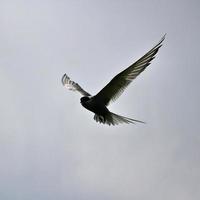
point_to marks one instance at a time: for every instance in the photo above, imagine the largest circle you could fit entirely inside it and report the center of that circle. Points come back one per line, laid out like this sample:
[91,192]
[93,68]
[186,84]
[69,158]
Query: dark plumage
[98,103]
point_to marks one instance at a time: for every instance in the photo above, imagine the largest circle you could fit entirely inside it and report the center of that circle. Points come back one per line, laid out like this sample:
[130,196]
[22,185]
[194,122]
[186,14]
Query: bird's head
[84,99]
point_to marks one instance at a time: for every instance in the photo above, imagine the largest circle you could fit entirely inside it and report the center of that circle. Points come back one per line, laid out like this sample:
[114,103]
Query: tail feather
[114,119]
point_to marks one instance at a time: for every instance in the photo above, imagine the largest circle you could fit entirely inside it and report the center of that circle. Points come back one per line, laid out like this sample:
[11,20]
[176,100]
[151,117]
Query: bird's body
[94,105]
[102,114]
[99,102]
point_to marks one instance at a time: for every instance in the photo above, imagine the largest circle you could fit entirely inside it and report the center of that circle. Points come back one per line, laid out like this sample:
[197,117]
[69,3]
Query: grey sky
[51,148]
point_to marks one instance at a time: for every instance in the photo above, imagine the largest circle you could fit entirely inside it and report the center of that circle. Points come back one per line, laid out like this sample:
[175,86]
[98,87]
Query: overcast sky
[50,146]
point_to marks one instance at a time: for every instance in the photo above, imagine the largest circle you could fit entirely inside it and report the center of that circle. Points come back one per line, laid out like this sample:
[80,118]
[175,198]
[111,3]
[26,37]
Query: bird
[98,104]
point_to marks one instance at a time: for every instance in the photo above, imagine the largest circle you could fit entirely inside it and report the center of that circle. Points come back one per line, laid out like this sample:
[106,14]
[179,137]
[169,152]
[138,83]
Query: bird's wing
[71,85]
[118,84]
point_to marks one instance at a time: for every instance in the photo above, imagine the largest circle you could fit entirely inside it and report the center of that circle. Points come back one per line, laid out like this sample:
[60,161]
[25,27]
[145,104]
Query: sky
[50,146]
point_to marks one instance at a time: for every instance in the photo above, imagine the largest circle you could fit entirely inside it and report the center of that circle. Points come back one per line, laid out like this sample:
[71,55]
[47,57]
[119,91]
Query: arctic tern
[99,102]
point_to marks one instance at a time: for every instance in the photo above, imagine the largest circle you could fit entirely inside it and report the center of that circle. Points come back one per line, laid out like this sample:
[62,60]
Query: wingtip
[163,37]
[160,43]
[63,79]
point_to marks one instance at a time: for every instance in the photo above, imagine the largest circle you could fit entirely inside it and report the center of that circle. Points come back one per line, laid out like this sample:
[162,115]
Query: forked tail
[114,119]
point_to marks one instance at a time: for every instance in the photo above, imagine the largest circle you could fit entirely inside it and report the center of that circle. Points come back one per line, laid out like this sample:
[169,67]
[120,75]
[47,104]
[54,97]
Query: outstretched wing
[118,84]
[71,85]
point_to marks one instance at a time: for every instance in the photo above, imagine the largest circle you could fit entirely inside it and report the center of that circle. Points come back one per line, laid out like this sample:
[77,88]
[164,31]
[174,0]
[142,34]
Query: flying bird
[99,102]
